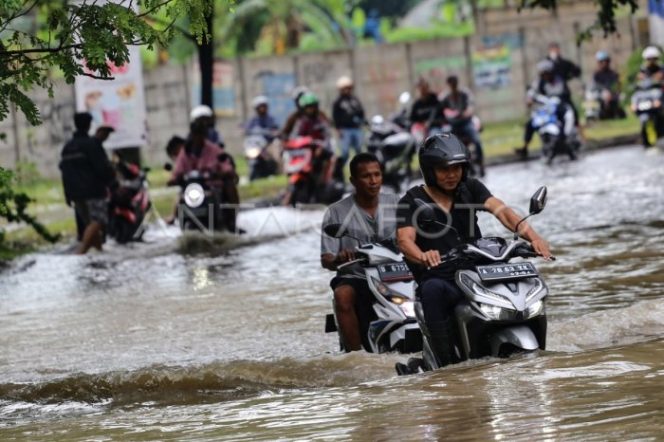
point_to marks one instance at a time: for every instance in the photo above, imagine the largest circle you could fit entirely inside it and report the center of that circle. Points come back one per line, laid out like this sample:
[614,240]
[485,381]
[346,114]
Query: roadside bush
[14,205]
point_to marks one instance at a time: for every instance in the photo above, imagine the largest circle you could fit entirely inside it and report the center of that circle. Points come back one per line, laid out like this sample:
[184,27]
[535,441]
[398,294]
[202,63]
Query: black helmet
[442,149]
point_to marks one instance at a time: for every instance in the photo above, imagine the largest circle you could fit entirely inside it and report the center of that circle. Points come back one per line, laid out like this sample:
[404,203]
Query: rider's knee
[344,298]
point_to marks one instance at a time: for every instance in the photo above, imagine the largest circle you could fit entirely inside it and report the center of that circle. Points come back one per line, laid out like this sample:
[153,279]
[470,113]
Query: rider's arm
[406,239]
[510,219]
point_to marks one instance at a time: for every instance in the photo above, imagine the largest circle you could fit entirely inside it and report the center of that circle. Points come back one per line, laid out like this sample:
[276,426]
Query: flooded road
[178,339]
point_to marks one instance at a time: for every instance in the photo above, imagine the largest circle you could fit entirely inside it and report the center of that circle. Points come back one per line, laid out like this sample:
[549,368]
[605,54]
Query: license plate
[503,272]
[394,272]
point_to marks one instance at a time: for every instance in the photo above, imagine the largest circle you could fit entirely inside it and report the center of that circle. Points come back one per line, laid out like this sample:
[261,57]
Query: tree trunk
[206,62]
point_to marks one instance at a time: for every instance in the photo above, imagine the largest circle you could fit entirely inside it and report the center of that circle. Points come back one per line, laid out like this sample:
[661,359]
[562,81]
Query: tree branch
[180,29]
[157,7]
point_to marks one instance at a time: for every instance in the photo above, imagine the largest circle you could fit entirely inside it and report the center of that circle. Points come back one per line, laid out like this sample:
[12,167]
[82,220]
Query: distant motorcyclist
[287,130]
[348,116]
[652,67]
[607,82]
[457,109]
[549,85]
[562,67]
[369,214]
[424,106]
[201,154]
[455,198]
[205,114]
[262,121]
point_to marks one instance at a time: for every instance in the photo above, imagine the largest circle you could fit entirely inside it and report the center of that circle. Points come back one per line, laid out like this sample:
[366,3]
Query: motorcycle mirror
[404,97]
[168,167]
[538,201]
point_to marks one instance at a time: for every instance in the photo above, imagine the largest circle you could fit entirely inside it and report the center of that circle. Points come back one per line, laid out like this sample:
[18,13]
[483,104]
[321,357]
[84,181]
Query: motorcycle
[503,310]
[200,201]
[394,148]
[544,119]
[392,326]
[647,104]
[311,179]
[130,203]
[256,145]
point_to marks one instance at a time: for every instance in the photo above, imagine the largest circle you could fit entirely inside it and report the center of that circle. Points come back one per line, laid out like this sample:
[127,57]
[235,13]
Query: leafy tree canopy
[38,35]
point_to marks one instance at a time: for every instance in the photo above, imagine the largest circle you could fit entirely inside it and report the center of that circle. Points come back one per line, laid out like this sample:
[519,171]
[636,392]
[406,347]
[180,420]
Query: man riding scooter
[549,85]
[202,155]
[259,133]
[312,125]
[457,109]
[368,214]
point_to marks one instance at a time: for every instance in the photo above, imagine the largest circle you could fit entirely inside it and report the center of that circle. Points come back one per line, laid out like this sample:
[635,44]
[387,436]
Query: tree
[37,36]
[63,33]
[286,20]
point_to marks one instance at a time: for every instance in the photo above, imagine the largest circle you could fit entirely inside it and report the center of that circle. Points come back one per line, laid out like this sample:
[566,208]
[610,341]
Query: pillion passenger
[369,214]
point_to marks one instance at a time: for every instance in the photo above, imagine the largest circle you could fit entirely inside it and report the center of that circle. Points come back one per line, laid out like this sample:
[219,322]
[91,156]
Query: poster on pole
[119,103]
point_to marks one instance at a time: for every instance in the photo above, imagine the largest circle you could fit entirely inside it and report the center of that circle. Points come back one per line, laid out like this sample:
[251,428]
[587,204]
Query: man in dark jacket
[348,116]
[566,70]
[86,176]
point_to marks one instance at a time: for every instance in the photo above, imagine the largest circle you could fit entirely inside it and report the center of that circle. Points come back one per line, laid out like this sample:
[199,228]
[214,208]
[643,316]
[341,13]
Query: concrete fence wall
[497,66]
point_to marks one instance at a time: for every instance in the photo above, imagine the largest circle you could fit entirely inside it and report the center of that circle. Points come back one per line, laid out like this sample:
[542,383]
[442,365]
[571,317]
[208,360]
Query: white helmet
[200,111]
[260,100]
[651,52]
[344,82]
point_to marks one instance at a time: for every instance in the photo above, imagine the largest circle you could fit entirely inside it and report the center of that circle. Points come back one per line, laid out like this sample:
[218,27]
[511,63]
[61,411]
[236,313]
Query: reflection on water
[192,337]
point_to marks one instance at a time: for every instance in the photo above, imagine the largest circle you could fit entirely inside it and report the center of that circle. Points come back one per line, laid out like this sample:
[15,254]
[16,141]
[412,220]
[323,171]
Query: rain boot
[441,338]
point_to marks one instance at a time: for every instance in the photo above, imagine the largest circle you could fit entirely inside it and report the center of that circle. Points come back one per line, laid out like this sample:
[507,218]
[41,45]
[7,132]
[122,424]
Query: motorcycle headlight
[535,309]
[496,313]
[408,308]
[253,153]
[391,295]
[194,195]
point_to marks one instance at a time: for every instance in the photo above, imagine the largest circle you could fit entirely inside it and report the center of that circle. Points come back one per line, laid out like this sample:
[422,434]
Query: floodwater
[181,339]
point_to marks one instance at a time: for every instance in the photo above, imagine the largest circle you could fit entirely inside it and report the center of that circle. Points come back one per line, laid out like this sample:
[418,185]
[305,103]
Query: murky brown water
[150,343]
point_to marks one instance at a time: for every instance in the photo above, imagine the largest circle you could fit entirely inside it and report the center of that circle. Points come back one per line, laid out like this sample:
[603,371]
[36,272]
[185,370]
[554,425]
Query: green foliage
[63,33]
[606,13]
[14,205]
[437,31]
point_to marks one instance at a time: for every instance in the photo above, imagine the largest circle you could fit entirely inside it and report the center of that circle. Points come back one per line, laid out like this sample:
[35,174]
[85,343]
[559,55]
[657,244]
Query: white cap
[344,82]
[651,52]
[200,111]
[259,101]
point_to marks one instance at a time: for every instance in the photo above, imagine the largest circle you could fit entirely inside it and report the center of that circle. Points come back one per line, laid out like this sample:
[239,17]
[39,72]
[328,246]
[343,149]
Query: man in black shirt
[425,105]
[455,198]
[566,70]
[348,117]
[457,109]
[87,176]
[651,67]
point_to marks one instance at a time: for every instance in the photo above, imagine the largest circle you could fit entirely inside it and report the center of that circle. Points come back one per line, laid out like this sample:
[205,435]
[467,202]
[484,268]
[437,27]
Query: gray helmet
[442,149]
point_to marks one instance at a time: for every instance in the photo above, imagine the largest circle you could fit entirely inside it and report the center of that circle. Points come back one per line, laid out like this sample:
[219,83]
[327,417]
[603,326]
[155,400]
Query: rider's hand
[431,258]
[541,247]
[345,256]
